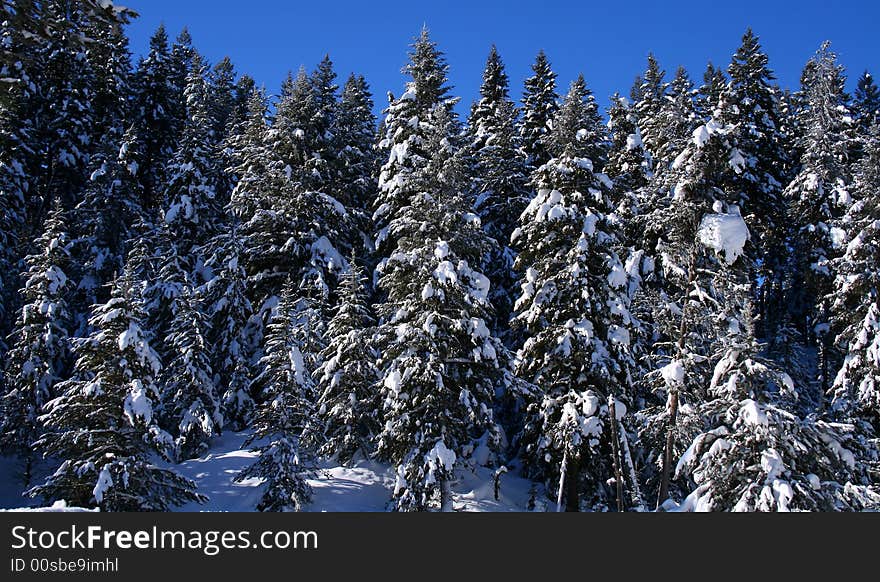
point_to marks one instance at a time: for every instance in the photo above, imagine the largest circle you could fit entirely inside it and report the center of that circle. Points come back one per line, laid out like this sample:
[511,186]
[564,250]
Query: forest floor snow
[362,487]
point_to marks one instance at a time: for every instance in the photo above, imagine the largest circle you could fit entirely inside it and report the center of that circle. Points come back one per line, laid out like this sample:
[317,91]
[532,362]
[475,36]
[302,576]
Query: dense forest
[669,304]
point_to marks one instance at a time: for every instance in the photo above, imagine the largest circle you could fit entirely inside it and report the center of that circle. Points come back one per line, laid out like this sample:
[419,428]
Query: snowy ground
[366,486]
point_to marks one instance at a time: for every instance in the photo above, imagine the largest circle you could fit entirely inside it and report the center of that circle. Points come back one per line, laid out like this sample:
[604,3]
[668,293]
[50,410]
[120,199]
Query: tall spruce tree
[354,135]
[866,102]
[855,298]
[750,106]
[223,108]
[677,119]
[323,164]
[500,175]
[540,104]
[109,58]
[750,456]
[105,219]
[628,164]
[440,365]
[231,330]
[16,154]
[63,110]
[709,93]
[698,229]
[40,343]
[103,428]
[574,313]
[154,109]
[348,403]
[189,401]
[191,204]
[817,196]
[649,97]
[408,128]
[285,419]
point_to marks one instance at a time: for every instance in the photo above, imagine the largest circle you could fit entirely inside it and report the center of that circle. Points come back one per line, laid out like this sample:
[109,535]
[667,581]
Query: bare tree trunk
[670,442]
[572,494]
[637,500]
[445,497]
[498,473]
[28,469]
[672,401]
[562,470]
[615,451]
[823,341]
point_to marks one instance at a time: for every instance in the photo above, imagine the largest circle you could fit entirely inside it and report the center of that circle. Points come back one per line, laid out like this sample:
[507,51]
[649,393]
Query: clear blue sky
[606,40]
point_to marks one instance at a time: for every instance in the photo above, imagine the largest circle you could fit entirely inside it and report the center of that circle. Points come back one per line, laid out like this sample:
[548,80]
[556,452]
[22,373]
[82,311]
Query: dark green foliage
[540,103]
[500,175]
[349,403]
[103,426]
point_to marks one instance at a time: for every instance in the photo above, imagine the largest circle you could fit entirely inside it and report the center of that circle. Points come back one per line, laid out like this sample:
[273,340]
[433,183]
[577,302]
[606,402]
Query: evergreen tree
[750,106]
[103,427]
[649,98]
[110,208]
[677,118]
[289,229]
[40,350]
[440,365]
[628,164]
[63,110]
[540,104]
[573,310]
[866,102]
[751,455]
[249,158]
[16,154]
[855,299]
[348,405]
[700,269]
[222,97]
[286,385]
[225,113]
[584,128]
[182,60]
[154,110]
[109,58]
[500,177]
[354,136]
[231,310]
[189,400]
[816,196]
[408,128]
[709,94]
[191,211]
[323,163]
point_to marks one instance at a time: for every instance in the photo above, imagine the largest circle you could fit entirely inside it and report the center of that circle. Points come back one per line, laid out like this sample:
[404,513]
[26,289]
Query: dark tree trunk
[667,452]
[615,451]
[572,486]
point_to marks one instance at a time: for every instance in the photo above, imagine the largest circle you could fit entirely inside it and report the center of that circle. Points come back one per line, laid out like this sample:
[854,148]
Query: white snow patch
[441,456]
[673,373]
[752,414]
[137,404]
[441,250]
[703,133]
[105,482]
[394,381]
[634,141]
[838,236]
[725,233]
[427,291]
[445,273]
